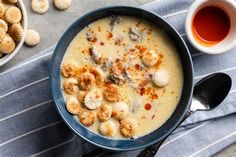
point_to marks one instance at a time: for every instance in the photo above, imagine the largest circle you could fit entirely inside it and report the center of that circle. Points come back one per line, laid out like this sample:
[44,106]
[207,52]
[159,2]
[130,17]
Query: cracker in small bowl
[7,45]
[16,32]
[13,15]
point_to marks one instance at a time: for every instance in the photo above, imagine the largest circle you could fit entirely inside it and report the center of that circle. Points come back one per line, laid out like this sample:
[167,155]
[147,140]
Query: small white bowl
[229,6]
[24,22]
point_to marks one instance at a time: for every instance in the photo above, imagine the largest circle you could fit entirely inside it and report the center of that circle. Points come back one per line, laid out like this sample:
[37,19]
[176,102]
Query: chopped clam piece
[118,40]
[161,78]
[117,79]
[117,72]
[127,74]
[114,19]
[135,34]
[108,63]
[135,106]
[91,36]
[97,57]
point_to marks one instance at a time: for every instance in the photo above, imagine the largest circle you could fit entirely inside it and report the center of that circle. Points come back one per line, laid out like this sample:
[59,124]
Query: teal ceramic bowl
[101,141]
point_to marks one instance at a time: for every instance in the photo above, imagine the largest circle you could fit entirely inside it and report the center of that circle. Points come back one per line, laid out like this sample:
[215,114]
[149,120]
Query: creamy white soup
[121,77]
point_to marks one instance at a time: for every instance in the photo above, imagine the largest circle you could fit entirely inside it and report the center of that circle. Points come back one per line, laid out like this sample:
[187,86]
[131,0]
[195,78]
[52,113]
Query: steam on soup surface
[121,77]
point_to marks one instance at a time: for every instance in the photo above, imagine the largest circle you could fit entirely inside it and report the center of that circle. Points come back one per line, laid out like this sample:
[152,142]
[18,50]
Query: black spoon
[208,94]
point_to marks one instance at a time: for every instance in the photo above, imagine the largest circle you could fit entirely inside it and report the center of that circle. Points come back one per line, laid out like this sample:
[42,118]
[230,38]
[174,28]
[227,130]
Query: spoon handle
[151,151]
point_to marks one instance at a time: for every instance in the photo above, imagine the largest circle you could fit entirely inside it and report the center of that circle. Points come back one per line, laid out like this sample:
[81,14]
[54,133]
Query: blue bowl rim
[188,101]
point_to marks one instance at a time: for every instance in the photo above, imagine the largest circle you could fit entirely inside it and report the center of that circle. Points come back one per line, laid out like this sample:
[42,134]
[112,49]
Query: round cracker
[2,10]
[3,25]
[7,45]
[32,37]
[62,4]
[16,32]
[40,6]
[2,34]
[13,15]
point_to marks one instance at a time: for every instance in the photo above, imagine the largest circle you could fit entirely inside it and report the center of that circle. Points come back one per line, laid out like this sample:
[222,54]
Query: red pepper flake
[142,91]
[94,40]
[109,35]
[153,116]
[159,61]
[143,83]
[148,106]
[131,50]
[141,48]
[101,43]
[154,96]
[137,67]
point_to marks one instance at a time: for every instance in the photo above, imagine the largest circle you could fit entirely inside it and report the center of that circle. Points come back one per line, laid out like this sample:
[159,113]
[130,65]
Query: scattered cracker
[2,34]
[13,15]
[2,10]
[7,45]
[16,32]
[3,25]
[40,6]
[62,4]
[12,1]
[32,37]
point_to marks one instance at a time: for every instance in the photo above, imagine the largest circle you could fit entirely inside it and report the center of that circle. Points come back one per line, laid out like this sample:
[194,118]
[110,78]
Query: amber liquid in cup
[210,25]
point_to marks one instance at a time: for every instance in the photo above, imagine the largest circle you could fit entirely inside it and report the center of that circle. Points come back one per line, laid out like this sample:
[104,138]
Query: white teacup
[229,6]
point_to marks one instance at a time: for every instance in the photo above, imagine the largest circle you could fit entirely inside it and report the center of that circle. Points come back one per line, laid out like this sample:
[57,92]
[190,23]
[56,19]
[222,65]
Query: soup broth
[121,77]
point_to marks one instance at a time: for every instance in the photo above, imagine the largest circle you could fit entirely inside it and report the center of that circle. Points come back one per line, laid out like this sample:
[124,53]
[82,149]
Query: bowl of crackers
[13,28]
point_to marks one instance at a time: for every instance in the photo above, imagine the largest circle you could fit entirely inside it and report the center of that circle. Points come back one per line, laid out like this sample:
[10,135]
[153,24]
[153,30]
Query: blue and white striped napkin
[30,125]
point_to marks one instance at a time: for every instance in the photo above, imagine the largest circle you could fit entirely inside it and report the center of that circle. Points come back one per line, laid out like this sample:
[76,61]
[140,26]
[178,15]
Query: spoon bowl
[210,91]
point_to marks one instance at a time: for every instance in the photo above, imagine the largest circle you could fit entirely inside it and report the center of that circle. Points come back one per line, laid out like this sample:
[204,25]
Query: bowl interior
[24,23]
[96,139]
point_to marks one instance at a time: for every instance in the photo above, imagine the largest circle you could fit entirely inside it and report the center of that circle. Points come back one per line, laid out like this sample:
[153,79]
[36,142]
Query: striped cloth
[30,125]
